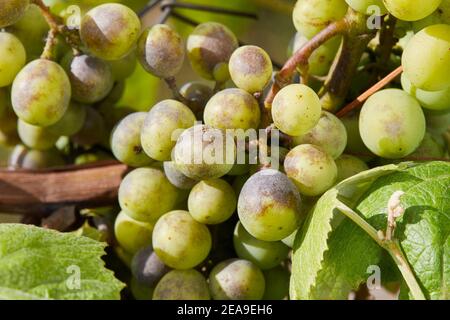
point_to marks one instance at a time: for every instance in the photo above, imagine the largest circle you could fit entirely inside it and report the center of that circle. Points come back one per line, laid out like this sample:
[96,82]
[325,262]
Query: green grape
[428,148]
[289,240]
[147,268]
[311,168]
[24,158]
[93,130]
[320,61]
[161,51]
[110,31]
[411,10]
[145,194]
[348,166]
[250,68]
[11,11]
[180,241]
[364,6]
[202,152]
[441,15]
[165,121]
[392,124]
[123,68]
[438,123]
[126,141]
[426,59]
[182,285]
[236,279]
[264,254]
[221,73]
[41,93]
[355,145]
[329,134]
[277,284]
[71,122]
[198,95]
[13,58]
[132,235]
[208,45]
[91,157]
[177,178]
[269,206]
[212,201]
[36,137]
[296,109]
[433,100]
[140,291]
[90,77]
[311,16]
[232,109]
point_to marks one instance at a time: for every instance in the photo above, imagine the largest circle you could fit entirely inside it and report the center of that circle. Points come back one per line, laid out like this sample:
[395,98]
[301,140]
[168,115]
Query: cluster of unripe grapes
[186,186]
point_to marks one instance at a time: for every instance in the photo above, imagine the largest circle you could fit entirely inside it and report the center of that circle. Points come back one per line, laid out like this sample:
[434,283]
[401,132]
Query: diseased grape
[236,279]
[277,284]
[145,194]
[161,51]
[348,166]
[71,122]
[93,130]
[269,206]
[123,68]
[232,109]
[126,141]
[36,137]
[13,58]
[311,168]
[411,10]
[25,158]
[147,268]
[132,235]
[41,93]
[182,285]
[180,241]
[177,178]
[11,11]
[198,95]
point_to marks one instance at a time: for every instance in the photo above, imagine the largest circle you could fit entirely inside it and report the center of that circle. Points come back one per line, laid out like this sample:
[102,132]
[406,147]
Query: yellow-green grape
[277,284]
[355,145]
[221,73]
[93,130]
[212,201]
[265,254]
[365,6]
[147,268]
[126,141]
[24,158]
[232,109]
[289,240]
[269,206]
[441,15]
[71,122]
[177,178]
[392,124]
[161,51]
[162,126]
[202,152]
[180,241]
[182,285]
[208,45]
[433,100]
[13,58]
[124,68]
[132,235]
[41,93]
[428,148]
[296,109]
[411,10]
[34,137]
[426,59]
[348,166]
[311,168]
[250,68]
[145,194]
[329,133]
[311,16]
[322,58]
[110,31]
[92,157]
[91,78]
[236,279]
[11,11]
[140,291]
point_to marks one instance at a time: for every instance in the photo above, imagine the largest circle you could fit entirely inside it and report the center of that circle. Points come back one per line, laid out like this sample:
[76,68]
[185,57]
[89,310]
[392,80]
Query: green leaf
[37,263]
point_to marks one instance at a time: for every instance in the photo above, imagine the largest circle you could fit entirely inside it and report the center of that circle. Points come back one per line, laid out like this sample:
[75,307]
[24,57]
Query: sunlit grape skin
[269,206]
[145,194]
[392,124]
[408,10]
[296,109]
[364,6]
[180,241]
[36,137]
[132,235]
[236,279]
[182,285]
[41,93]
[311,168]
[13,58]
[426,58]
[161,51]
[110,31]
[232,109]
[250,68]
[126,141]
[264,254]
[348,166]
[11,11]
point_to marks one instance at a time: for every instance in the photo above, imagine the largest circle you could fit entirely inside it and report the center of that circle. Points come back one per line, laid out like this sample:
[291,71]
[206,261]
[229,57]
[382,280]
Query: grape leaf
[37,263]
